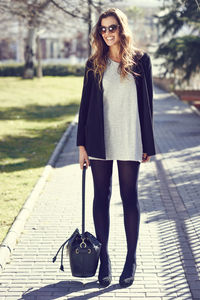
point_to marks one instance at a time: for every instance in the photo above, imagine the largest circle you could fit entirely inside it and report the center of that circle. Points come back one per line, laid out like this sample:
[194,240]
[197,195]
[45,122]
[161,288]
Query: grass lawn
[33,116]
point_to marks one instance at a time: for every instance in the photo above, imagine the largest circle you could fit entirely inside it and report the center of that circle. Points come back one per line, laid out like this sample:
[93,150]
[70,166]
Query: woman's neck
[114,53]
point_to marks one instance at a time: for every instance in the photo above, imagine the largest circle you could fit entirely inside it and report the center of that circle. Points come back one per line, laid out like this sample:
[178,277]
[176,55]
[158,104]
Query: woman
[115,123]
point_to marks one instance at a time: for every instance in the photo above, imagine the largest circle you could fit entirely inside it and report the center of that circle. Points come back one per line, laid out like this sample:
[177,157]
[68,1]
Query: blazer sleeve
[84,105]
[149,81]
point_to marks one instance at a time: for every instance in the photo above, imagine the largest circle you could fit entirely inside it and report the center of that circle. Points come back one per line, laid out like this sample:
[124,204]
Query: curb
[192,107]
[9,242]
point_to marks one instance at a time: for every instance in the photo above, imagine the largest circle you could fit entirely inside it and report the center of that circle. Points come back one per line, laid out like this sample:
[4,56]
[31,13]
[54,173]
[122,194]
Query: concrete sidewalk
[168,253]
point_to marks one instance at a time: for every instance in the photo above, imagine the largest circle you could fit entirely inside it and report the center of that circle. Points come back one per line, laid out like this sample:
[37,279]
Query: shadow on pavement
[174,204]
[64,288]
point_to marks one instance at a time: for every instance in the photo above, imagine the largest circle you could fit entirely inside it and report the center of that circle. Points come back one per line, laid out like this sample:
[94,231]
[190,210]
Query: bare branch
[198,5]
[67,12]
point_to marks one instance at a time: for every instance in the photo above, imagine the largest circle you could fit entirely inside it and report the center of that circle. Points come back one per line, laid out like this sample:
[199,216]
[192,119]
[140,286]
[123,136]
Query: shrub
[11,70]
[48,70]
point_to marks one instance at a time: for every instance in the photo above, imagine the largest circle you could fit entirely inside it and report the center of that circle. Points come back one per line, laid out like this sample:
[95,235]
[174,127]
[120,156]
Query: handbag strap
[62,247]
[83,199]
[83,222]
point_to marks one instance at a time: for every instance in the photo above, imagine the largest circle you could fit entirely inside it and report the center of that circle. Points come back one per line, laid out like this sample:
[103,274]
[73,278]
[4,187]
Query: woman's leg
[128,175]
[102,178]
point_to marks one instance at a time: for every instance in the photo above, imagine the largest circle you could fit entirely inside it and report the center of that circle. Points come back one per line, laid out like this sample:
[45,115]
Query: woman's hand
[83,157]
[145,157]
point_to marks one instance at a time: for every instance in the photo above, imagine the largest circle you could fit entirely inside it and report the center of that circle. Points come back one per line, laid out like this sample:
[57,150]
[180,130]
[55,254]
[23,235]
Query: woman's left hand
[145,157]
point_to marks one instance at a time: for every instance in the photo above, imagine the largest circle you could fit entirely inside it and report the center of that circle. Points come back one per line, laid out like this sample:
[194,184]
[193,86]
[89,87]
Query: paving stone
[168,253]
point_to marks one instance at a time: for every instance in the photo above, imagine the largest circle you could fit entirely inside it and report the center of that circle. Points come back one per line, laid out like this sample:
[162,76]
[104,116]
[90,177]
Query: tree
[180,20]
[39,14]
[83,9]
[32,12]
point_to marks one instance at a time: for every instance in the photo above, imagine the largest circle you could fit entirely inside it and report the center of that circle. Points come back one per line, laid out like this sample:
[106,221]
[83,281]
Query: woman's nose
[107,33]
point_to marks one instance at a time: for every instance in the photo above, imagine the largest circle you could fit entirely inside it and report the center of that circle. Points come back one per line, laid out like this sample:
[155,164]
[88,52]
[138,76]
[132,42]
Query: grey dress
[122,130]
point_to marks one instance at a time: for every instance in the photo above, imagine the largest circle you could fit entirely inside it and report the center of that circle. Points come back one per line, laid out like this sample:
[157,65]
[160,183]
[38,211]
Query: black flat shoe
[127,277]
[105,276]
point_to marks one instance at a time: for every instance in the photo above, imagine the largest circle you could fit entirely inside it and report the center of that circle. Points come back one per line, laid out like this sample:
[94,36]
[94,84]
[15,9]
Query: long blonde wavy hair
[128,52]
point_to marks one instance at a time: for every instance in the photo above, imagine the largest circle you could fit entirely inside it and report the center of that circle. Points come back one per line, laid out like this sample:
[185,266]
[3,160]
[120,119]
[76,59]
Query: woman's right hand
[83,157]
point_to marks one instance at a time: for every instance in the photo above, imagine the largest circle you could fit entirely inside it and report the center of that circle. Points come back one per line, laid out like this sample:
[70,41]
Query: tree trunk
[99,8]
[28,55]
[39,56]
[89,26]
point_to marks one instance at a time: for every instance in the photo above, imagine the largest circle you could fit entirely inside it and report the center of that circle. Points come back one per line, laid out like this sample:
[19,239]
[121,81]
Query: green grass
[33,116]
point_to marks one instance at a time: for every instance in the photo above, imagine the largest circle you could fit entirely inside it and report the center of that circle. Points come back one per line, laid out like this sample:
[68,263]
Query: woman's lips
[109,39]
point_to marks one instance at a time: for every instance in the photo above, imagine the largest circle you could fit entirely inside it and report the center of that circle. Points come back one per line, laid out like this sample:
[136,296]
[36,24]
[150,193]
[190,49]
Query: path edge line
[14,233]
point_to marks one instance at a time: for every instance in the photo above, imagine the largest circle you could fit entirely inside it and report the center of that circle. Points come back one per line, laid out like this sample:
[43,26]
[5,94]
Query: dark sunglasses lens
[112,28]
[102,29]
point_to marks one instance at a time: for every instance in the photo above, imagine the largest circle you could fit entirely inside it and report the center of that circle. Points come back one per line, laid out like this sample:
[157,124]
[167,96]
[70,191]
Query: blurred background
[44,45]
[60,28]
[38,33]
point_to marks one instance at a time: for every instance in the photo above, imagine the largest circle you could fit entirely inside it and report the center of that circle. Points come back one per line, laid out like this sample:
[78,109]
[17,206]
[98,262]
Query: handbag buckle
[83,244]
[89,251]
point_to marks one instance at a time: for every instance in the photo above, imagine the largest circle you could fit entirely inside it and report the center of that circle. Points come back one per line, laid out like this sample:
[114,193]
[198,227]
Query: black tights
[102,177]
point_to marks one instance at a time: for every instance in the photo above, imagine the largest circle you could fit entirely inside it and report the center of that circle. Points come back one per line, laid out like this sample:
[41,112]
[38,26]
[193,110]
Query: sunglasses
[111,29]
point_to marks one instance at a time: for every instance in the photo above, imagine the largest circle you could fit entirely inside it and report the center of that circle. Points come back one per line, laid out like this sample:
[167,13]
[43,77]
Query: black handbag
[83,249]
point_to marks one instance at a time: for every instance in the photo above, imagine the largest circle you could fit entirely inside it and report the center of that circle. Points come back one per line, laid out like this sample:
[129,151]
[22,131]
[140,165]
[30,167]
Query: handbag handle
[83,199]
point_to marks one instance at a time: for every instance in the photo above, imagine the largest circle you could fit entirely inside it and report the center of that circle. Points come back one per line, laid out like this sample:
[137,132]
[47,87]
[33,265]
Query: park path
[168,253]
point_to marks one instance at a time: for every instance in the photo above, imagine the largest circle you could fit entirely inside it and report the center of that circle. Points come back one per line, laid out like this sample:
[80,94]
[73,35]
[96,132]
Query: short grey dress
[122,130]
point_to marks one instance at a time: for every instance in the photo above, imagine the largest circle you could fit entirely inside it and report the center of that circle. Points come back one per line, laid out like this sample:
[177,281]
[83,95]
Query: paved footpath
[168,253]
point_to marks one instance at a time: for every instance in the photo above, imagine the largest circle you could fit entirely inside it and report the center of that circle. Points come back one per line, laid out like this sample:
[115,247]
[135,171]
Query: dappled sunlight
[161,95]
[48,113]
[33,116]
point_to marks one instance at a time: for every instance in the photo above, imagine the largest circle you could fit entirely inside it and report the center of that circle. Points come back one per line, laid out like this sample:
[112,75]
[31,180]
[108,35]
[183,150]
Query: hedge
[48,70]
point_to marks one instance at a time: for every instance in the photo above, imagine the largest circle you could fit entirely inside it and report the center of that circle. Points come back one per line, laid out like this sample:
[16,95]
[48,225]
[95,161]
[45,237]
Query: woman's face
[110,37]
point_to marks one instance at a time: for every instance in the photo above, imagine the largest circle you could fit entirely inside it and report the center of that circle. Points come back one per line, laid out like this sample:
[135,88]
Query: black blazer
[91,123]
